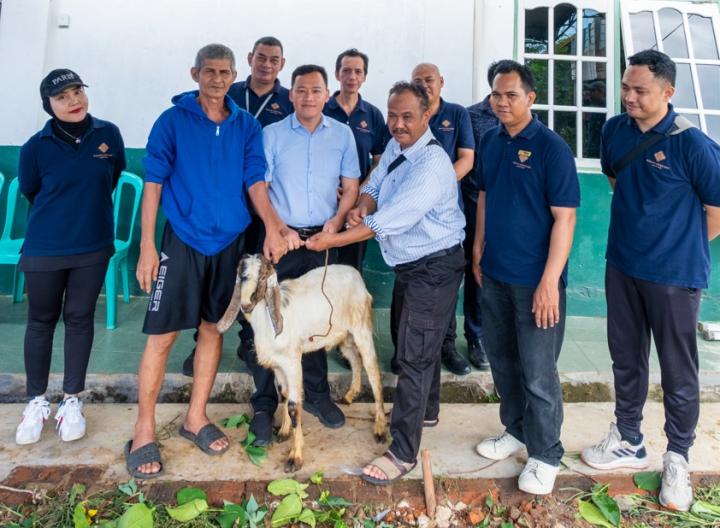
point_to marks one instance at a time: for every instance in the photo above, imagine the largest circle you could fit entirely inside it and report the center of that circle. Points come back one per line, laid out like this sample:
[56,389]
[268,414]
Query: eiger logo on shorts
[154,305]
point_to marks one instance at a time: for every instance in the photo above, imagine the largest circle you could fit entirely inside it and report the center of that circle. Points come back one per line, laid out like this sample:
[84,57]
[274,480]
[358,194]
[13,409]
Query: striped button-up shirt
[417,203]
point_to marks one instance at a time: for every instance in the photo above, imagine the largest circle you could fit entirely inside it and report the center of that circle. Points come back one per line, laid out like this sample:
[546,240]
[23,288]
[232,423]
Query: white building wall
[136,54]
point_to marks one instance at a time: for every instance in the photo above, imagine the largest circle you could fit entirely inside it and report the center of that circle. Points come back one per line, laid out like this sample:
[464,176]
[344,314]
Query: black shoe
[455,363]
[477,355]
[261,427]
[327,412]
[187,368]
[245,348]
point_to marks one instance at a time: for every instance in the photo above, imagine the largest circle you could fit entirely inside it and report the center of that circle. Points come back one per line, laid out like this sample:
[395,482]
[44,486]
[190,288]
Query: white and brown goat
[290,319]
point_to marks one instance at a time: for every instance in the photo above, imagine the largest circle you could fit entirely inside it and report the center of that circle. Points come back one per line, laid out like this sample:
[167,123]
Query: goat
[290,318]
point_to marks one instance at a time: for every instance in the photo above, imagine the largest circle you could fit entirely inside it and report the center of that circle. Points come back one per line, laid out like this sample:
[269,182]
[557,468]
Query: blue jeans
[523,360]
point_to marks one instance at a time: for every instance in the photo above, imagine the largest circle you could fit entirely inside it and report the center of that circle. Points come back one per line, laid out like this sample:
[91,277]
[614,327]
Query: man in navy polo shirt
[261,93]
[482,119]
[525,222]
[367,125]
[665,207]
[450,124]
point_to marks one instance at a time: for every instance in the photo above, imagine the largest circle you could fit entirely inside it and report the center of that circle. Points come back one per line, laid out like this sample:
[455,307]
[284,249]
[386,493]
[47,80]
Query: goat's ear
[274,303]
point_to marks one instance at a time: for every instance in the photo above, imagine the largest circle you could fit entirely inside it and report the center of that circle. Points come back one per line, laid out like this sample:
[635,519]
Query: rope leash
[322,290]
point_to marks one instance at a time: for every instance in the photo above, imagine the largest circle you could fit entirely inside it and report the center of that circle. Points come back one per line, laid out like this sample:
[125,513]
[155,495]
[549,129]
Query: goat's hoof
[282,437]
[347,400]
[292,465]
[381,438]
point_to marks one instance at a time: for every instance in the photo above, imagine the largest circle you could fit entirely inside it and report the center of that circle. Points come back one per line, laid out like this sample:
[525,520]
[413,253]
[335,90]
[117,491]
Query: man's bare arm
[464,162]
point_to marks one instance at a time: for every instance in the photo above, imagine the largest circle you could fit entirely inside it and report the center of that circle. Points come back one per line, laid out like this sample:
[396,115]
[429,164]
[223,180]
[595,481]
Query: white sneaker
[34,415]
[499,447]
[537,478]
[676,492]
[613,452]
[70,419]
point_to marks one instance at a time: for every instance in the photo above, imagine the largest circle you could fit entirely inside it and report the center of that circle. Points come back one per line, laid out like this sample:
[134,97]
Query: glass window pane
[564,84]
[672,30]
[542,115]
[703,37]
[567,128]
[536,30]
[539,68]
[693,118]
[713,127]
[594,87]
[684,93]
[709,78]
[592,125]
[565,29]
[593,33]
[643,31]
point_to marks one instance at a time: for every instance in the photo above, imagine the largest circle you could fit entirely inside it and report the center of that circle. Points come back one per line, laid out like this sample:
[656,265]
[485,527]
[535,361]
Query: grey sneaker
[676,492]
[537,478]
[613,452]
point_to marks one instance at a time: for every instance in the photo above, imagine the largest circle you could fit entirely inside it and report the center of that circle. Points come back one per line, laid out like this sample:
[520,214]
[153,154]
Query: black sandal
[147,454]
[205,437]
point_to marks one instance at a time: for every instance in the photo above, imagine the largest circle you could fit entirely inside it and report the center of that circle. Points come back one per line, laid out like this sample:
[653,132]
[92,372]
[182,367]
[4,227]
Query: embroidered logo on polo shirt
[446,126]
[103,148]
[657,162]
[363,123]
[523,156]
[274,106]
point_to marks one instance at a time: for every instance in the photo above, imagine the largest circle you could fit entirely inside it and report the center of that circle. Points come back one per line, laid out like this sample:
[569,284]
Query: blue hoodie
[205,169]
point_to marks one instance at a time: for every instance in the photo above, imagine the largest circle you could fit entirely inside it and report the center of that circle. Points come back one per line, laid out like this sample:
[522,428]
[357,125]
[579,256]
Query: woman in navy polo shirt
[68,171]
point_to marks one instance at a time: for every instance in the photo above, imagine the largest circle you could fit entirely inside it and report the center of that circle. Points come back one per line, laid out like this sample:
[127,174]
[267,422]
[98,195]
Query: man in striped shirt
[410,205]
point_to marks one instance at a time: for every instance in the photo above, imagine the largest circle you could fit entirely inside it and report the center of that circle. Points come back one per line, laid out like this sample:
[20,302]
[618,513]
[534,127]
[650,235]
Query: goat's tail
[233,309]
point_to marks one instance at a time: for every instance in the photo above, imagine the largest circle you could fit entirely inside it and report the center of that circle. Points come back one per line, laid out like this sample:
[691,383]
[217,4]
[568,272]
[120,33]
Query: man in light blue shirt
[411,206]
[307,153]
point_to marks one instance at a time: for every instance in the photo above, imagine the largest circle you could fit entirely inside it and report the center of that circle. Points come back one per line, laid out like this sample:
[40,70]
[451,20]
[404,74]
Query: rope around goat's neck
[322,290]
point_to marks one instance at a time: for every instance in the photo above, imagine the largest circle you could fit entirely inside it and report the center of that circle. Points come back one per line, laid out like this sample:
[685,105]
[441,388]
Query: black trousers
[424,296]
[72,292]
[315,369]
[637,308]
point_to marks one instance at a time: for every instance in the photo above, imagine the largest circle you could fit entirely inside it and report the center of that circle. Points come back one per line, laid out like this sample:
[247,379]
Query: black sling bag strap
[680,124]
[401,158]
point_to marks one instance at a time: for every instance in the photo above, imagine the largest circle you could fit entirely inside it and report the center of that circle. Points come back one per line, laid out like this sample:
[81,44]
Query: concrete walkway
[338,452]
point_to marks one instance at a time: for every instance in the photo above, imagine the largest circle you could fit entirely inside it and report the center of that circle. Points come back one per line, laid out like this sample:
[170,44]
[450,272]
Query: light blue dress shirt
[417,203]
[304,169]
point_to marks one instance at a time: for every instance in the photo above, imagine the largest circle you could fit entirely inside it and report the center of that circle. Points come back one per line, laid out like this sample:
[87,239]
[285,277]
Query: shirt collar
[663,127]
[334,105]
[414,151]
[47,129]
[275,88]
[325,122]
[532,128]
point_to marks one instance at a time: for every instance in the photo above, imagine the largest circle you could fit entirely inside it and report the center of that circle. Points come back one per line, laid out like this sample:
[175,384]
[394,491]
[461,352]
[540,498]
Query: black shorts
[191,286]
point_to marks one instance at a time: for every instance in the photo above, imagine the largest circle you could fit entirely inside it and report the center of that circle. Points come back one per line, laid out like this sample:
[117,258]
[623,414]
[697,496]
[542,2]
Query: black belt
[434,255]
[306,232]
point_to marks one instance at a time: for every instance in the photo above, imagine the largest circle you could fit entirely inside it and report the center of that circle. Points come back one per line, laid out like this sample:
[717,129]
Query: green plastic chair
[10,247]
[119,261]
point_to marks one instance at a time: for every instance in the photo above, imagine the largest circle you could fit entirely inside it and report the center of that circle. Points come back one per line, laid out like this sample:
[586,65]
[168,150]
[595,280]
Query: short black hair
[268,41]
[491,73]
[308,68]
[510,66]
[657,62]
[352,52]
[415,89]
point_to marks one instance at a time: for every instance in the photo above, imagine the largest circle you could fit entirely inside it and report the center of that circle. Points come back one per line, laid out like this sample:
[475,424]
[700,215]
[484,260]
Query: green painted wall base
[586,296]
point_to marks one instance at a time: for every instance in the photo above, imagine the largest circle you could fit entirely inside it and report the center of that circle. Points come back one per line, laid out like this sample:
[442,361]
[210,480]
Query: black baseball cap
[57,80]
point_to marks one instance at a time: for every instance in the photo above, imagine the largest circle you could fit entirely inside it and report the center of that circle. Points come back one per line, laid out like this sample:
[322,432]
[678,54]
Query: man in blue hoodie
[203,154]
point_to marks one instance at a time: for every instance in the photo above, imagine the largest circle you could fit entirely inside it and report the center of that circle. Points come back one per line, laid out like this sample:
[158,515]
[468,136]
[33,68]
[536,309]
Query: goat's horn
[233,309]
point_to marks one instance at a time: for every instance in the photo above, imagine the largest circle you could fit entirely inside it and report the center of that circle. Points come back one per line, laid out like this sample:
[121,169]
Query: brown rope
[322,289]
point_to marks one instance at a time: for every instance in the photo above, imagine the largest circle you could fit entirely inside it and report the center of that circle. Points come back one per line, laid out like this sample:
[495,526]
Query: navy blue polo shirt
[368,127]
[451,126]
[70,190]
[658,227]
[277,108]
[523,176]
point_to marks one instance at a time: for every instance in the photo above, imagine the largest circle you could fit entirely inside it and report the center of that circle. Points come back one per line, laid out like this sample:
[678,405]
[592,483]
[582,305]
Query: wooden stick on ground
[428,483]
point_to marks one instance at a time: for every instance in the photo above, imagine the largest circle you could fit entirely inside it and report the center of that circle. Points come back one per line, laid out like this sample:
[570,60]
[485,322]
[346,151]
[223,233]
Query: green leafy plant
[648,480]
[256,454]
